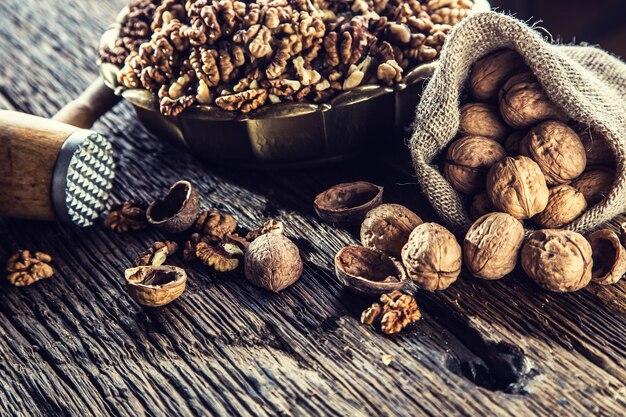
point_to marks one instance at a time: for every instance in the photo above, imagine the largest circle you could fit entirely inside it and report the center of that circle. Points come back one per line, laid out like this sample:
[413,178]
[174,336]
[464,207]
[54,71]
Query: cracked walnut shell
[491,71]
[432,257]
[482,119]
[557,149]
[273,262]
[609,257]
[468,160]
[348,203]
[155,286]
[557,260]
[387,228]
[492,244]
[367,271]
[518,187]
[523,102]
[177,210]
[565,204]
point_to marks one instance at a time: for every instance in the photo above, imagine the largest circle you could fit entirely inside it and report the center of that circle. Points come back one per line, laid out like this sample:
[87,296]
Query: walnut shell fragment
[491,71]
[609,257]
[557,149]
[387,227]
[482,119]
[492,244]
[432,257]
[348,203]
[523,102]
[367,271]
[273,262]
[518,187]
[155,286]
[468,160]
[177,210]
[557,260]
[595,184]
[565,205]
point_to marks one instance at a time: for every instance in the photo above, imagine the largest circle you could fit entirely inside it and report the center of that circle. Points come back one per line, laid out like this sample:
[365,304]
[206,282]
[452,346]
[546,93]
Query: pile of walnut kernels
[241,55]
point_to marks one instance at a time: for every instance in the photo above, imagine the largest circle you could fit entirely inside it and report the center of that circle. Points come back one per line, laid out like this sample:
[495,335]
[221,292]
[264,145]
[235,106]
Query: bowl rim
[146,100]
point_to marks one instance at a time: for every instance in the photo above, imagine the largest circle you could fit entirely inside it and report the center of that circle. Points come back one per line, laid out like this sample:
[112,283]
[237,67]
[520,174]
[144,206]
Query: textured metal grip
[82,178]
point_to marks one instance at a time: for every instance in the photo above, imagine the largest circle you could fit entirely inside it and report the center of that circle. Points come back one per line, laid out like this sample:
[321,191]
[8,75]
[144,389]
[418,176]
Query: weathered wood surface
[77,345]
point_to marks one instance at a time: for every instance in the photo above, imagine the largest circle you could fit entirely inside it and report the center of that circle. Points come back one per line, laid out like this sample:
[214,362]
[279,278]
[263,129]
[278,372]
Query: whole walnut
[511,143]
[482,119]
[480,205]
[492,244]
[468,160]
[597,148]
[432,257]
[523,102]
[595,184]
[565,205]
[557,149]
[557,260]
[273,262]
[387,228]
[517,186]
[491,71]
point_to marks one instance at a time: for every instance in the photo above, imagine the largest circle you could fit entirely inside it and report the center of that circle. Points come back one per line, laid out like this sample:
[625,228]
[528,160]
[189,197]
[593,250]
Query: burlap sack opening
[587,83]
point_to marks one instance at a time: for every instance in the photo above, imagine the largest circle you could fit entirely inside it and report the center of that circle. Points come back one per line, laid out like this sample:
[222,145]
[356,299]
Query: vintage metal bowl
[285,134]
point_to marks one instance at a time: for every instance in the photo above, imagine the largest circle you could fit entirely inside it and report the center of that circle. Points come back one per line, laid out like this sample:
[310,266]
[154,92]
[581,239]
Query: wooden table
[77,345]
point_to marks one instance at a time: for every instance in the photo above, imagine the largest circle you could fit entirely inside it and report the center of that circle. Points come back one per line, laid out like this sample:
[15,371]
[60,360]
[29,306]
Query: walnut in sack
[557,149]
[468,160]
[26,268]
[523,102]
[565,204]
[518,187]
[482,119]
[595,184]
[557,260]
[491,71]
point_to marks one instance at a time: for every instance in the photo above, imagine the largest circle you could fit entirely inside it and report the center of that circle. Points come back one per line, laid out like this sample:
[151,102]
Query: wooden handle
[96,100]
[29,146]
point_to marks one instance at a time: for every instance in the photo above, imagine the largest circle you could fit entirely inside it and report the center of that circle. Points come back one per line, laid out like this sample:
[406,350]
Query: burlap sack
[586,82]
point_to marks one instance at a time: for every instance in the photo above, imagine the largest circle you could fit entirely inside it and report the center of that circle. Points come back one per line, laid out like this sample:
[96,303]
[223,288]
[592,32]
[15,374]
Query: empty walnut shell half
[177,210]
[609,257]
[387,228]
[155,286]
[368,271]
[348,203]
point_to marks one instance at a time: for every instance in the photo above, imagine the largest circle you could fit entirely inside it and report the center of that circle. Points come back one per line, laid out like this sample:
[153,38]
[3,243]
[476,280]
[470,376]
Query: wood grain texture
[76,344]
[29,146]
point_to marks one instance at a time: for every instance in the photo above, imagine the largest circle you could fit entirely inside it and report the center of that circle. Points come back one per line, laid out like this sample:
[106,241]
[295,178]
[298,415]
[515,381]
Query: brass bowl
[283,135]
